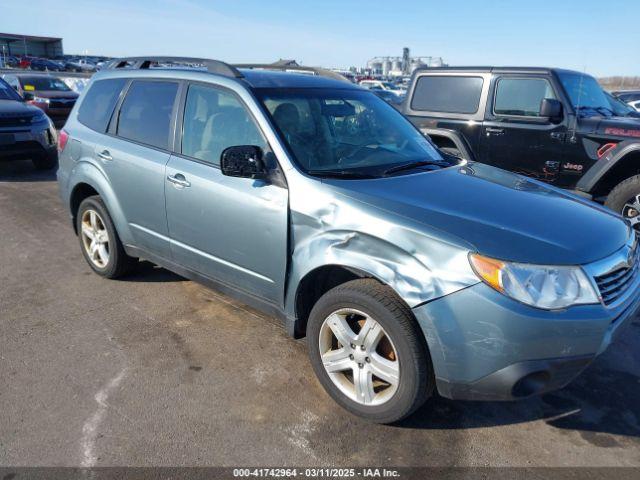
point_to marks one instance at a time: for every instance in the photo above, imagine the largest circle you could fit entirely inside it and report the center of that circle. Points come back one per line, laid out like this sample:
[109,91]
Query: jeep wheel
[368,352]
[625,199]
[99,241]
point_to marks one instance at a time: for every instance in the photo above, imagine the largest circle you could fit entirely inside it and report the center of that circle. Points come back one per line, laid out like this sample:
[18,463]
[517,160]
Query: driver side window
[215,119]
[521,96]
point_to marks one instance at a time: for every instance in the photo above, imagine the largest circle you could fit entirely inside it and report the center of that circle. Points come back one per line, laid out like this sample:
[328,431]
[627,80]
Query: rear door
[134,155]
[233,230]
[514,136]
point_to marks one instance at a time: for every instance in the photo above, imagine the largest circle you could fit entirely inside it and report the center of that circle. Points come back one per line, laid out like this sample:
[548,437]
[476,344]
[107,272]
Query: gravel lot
[157,370]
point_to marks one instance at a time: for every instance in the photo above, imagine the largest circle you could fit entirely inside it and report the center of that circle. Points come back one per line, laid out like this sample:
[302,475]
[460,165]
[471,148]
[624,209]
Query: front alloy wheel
[368,351]
[359,357]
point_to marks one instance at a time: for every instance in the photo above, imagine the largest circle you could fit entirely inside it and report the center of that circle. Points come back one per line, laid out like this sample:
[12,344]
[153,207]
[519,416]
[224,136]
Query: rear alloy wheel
[95,238]
[99,240]
[625,199]
[368,351]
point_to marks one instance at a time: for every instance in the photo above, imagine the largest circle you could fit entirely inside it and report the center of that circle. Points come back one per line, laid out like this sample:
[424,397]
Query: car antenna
[575,120]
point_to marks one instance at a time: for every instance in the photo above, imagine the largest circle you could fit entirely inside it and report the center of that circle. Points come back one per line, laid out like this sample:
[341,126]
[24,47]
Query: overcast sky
[602,37]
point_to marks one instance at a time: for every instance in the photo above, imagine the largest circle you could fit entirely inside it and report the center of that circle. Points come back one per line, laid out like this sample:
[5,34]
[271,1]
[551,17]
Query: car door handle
[178,180]
[494,131]
[105,155]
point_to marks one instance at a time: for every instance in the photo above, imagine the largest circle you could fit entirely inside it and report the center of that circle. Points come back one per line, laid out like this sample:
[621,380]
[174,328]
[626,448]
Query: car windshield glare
[44,83]
[344,130]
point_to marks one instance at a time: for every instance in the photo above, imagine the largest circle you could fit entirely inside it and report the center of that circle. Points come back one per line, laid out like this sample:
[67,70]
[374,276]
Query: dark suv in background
[25,131]
[558,126]
[46,92]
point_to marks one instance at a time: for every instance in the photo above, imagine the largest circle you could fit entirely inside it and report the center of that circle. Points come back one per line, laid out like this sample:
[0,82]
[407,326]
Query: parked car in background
[410,271]
[557,126]
[24,62]
[627,96]
[46,92]
[43,64]
[12,61]
[620,108]
[381,85]
[25,131]
[79,65]
[635,105]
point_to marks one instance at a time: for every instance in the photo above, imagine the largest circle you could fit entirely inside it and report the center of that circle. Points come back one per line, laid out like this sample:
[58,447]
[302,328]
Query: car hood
[56,94]
[620,127]
[502,215]
[16,108]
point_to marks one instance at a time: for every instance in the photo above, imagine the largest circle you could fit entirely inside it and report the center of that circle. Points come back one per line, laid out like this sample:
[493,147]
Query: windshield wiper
[421,163]
[340,174]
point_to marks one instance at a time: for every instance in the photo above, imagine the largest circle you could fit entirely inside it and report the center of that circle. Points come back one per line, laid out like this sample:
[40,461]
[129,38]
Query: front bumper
[486,346]
[39,140]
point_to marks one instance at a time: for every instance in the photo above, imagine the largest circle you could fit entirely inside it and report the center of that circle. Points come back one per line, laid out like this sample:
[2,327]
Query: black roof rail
[143,63]
[322,72]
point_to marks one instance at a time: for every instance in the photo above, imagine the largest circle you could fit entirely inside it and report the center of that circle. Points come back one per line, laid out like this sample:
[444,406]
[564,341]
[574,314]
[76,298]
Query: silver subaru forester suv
[409,271]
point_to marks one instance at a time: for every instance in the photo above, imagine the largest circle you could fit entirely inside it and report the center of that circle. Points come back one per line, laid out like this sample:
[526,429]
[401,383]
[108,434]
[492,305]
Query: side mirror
[552,109]
[28,96]
[243,161]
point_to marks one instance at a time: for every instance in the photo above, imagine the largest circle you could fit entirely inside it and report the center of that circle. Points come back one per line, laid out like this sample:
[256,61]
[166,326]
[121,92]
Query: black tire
[119,263]
[46,162]
[416,379]
[622,193]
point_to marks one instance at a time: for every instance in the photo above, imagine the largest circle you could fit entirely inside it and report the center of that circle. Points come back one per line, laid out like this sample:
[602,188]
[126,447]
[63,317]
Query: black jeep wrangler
[558,126]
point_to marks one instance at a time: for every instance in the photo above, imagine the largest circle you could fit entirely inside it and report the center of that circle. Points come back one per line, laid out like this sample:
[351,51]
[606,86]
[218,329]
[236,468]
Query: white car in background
[635,104]
[381,85]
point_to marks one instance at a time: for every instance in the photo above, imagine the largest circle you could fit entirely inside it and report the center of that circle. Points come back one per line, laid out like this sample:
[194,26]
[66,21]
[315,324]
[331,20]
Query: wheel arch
[335,257]
[446,138]
[316,283]
[87,180]
[609,172]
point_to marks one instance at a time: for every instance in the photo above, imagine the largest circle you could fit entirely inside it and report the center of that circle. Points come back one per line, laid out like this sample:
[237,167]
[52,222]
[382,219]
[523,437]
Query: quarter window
[145,115]
[521,96]
[98,103]
[214,120]
[447,94]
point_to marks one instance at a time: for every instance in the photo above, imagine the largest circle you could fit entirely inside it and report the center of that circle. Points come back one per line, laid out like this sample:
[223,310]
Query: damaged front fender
[419,267]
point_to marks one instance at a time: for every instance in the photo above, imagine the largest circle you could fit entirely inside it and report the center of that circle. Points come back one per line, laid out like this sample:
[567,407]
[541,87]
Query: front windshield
[44,83]
[585,93]
[8,93]
[345,130]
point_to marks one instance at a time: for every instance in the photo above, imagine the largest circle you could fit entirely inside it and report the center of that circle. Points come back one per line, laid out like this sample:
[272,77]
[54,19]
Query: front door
[230,229]
[515,137]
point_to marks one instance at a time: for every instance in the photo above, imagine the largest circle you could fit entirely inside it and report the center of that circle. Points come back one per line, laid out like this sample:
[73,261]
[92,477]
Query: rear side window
[447,94]
[521,96]
[99,102]
[145,114]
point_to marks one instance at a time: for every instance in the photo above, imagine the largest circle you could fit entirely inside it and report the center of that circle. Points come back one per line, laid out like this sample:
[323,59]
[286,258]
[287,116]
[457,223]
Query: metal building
[13,44]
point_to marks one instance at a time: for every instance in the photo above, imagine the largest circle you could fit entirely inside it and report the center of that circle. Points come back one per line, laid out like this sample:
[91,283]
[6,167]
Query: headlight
[542,286]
